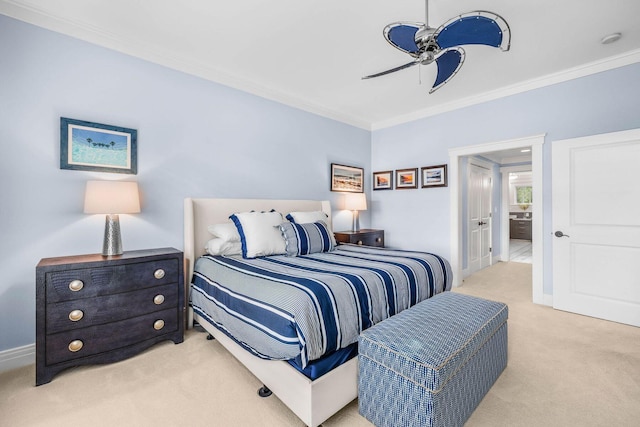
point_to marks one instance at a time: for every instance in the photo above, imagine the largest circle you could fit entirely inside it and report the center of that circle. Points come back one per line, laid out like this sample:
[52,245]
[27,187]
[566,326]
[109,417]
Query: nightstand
[94,309]
[366,237]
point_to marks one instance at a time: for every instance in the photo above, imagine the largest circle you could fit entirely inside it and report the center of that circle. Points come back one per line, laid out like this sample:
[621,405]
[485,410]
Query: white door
[479,218]
[596,225]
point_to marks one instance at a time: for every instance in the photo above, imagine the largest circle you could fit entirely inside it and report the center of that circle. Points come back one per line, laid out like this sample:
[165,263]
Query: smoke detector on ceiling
[611,38]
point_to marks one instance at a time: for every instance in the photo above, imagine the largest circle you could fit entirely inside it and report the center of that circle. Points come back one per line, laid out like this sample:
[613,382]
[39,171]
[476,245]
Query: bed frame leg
[210,337]
[264,391]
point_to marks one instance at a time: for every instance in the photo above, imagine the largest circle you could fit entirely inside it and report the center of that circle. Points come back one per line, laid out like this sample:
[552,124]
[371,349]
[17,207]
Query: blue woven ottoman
[431,365]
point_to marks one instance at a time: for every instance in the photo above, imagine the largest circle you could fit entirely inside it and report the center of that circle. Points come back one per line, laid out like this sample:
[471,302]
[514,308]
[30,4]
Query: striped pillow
[304,239]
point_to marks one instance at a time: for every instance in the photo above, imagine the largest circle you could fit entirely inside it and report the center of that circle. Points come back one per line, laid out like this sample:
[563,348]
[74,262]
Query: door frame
[505,229]
[455,154]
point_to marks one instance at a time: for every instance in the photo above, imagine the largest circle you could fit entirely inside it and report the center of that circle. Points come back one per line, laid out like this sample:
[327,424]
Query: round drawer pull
[76,285]
[75,345]
[378,239]
[76,315]
[158,324]
[158,299]
[158,274]
[360,242]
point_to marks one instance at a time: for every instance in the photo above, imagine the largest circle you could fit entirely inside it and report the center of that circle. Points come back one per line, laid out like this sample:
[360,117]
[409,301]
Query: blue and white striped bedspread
[304,307]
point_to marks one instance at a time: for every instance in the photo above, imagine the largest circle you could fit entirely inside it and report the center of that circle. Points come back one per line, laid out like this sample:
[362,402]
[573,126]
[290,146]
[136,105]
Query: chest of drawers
[365,236]
[520,229]
[93,309]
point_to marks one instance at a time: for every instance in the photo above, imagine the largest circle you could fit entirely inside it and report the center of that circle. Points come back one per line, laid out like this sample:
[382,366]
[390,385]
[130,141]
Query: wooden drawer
[95,309]
[365,237]
[91,282]
[108,308]
[98,339]
[520,229]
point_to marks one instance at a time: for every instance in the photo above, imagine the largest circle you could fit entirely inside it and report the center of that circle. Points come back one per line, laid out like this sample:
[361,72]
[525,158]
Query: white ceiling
[311,54]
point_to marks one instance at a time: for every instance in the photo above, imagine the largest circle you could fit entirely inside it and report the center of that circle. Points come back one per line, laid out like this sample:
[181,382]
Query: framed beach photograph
[406,178]
[383,180]
[434,176]
[97,147]
[347,178]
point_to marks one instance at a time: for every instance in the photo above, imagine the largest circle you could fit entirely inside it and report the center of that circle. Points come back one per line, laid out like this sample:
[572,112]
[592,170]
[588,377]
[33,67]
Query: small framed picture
[383,180]
[348,179]
[97,147]
[406,178]
[434,176]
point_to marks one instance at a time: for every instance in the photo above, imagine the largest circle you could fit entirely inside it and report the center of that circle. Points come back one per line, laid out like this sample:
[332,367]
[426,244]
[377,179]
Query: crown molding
[606,64]
[23,11]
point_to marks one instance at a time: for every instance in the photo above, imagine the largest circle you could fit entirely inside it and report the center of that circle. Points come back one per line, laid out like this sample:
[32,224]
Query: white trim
[584,70]
[37,16]
[504,207]
[17,357]
[535,142]
[149,52]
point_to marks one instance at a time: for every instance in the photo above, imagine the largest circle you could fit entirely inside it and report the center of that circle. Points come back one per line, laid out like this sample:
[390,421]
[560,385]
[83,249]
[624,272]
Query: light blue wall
[195,138]
[600,103]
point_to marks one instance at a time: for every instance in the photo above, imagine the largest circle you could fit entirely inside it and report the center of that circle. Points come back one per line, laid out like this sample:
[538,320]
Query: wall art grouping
[430,176]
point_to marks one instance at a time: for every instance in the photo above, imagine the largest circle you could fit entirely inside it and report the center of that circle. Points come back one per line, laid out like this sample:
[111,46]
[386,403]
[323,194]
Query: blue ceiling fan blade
[449,62]
[478,27]
[402,35]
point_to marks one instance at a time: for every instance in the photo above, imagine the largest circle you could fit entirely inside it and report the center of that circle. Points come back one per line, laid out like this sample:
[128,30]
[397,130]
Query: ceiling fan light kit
[442,45]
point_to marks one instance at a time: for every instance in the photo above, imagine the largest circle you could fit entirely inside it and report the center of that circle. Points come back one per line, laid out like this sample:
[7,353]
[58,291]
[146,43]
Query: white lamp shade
[111,197]
[355,202]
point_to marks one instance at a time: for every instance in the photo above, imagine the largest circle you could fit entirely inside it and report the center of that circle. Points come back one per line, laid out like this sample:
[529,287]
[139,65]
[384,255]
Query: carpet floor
[564,370]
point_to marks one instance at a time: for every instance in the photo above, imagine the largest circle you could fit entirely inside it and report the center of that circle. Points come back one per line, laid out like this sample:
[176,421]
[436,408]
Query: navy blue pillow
[304,239]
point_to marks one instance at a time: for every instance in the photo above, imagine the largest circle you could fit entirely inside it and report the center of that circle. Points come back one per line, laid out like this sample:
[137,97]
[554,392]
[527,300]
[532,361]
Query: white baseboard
[17,357]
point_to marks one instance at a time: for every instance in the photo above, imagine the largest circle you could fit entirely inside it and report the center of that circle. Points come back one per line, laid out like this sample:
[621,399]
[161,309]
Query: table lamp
[111,198]
[355,202]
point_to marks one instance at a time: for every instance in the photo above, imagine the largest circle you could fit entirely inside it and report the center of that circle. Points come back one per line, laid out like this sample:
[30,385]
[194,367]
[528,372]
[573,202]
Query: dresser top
[361,231]
[127,255]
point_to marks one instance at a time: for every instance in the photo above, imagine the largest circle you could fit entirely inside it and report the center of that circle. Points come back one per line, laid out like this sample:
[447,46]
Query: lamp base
[356,222]
[112,244]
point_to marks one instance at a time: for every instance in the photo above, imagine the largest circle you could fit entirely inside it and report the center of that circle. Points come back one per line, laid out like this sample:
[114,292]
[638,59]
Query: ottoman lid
[430,341]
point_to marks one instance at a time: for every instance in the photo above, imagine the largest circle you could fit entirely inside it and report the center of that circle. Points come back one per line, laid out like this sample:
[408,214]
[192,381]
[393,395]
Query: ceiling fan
[442,45]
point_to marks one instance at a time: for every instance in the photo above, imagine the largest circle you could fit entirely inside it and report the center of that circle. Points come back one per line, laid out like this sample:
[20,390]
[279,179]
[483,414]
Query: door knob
[560,234]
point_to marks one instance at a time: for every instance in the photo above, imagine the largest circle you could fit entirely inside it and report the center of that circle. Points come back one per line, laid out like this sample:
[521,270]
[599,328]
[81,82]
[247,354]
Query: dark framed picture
[383,180]
[406,178]
[348,179]
[434,176]
[97,147]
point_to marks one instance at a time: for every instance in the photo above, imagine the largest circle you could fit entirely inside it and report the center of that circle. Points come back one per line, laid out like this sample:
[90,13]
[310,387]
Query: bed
[364,285]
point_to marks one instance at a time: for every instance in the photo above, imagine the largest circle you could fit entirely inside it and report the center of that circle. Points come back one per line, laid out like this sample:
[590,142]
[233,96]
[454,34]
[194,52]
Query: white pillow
[226,231]
[219,246]
[260,233]
[311,217]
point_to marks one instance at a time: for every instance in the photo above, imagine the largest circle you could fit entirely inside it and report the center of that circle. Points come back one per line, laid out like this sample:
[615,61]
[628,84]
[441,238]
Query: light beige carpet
[563,370]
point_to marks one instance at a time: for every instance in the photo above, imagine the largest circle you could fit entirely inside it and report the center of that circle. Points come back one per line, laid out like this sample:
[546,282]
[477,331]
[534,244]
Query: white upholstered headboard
[200,213]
